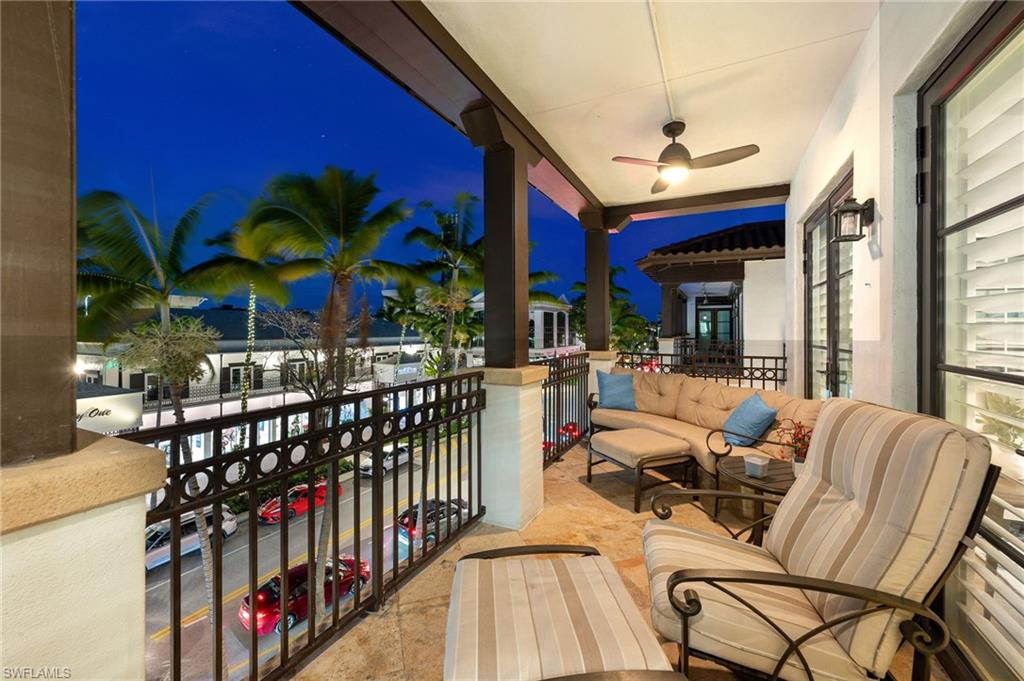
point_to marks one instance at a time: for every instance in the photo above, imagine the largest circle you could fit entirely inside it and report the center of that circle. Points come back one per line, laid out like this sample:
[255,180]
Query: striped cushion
[882,503]
[537,619]
[724,627]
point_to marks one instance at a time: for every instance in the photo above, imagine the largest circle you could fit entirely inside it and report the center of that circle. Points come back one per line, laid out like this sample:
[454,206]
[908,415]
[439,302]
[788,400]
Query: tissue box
[756,466]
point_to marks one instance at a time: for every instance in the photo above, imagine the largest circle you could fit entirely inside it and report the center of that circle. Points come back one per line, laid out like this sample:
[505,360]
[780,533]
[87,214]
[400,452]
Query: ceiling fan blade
[636,161]
[659,186]
[720,158]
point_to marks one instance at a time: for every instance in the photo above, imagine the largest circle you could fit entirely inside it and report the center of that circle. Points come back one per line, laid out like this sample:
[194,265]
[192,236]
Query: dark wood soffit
[750,197]
[656,262]
[409,45]
[687,274]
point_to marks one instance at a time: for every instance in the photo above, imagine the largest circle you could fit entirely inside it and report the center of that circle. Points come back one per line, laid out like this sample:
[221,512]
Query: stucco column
[513,459]
[597,285]
[602,360]
[71,556]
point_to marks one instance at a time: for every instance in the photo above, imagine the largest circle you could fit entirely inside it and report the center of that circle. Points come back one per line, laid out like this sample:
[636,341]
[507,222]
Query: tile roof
[751,235]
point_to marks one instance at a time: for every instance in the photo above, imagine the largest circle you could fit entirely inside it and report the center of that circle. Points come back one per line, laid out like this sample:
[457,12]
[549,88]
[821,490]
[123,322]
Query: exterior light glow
[673,173]
[79,367]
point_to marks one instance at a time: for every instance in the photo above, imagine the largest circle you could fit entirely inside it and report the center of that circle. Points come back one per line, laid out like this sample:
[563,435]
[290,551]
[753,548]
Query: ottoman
[637,449]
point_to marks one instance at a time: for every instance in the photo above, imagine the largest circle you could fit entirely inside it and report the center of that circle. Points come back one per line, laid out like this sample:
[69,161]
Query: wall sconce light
[850,218]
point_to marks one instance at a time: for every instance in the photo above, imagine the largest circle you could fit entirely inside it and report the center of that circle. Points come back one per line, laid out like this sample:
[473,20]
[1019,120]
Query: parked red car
[268,597]
[269,512]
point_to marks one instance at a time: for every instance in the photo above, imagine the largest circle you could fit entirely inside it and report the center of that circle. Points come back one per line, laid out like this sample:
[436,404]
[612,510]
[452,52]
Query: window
[828,286]
[549,329]
[972,314]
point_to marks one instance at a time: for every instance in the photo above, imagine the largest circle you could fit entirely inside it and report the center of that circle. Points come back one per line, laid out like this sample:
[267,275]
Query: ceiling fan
[675,162]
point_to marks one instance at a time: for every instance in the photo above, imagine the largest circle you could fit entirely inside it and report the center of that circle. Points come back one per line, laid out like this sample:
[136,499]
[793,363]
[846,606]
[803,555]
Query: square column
[37,228]
[597,285]
[507,157]
[513,458]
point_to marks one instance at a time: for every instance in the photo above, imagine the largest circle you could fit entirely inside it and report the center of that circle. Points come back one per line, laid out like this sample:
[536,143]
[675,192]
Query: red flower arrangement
[796,436]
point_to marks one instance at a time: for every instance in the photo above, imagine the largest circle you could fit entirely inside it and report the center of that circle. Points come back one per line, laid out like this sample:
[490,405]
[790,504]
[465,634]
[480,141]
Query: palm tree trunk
[202,529]
[335,325]
[250,344]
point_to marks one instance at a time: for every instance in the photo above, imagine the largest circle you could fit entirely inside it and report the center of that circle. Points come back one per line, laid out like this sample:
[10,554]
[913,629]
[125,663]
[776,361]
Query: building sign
[110,413]
[389,374]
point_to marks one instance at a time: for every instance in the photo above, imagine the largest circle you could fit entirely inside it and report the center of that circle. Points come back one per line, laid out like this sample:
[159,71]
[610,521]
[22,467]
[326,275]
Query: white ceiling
[587,76]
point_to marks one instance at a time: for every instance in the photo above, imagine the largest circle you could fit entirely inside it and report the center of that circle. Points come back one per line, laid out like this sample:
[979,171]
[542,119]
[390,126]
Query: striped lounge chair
[519,618]
[856,553]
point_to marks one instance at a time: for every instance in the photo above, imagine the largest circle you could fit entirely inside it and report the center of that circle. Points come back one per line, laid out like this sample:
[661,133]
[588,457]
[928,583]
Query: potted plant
[796,436]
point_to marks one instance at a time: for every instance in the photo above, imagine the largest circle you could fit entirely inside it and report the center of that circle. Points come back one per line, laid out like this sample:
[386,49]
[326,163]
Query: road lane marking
[200,613]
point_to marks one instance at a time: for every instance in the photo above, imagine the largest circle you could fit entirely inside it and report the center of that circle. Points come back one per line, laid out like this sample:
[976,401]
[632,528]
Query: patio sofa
[695,410]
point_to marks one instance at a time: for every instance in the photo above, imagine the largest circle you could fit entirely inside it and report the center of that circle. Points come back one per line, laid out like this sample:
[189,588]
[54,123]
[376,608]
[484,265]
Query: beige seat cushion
[632,446]
[695,436]
[724,627]
[538,619]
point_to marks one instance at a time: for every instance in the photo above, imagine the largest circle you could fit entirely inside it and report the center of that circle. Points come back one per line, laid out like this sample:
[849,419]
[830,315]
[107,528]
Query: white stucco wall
[73,599]
[764,307]
[870,126]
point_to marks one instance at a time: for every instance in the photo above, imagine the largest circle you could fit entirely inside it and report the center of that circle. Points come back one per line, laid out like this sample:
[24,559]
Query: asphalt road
[196,630]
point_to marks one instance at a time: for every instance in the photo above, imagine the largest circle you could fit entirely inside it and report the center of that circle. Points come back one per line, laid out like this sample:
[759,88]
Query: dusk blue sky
[200,97]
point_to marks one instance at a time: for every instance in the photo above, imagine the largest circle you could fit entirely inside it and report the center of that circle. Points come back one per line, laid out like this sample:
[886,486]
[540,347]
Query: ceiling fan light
[673,173]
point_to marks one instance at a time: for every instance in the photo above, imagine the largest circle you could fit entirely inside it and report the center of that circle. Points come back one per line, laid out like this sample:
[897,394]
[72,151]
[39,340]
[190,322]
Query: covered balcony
[891,293]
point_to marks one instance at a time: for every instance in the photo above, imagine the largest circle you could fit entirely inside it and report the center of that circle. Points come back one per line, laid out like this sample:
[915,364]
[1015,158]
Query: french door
[972,313]
[828,283]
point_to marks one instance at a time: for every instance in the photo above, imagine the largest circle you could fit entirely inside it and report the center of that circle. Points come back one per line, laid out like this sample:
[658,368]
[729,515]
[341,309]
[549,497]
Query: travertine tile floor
[406,641]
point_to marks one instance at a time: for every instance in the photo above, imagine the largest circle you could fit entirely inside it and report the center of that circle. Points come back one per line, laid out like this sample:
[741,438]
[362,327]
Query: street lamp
[850,218]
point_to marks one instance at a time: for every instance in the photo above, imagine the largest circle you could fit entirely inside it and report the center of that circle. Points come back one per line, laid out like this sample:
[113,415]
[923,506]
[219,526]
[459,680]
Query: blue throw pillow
[615,391]
[749,420]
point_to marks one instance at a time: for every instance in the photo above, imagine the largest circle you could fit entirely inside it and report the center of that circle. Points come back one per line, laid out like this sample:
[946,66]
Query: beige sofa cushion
[655,393]
[695,435]
[633,446]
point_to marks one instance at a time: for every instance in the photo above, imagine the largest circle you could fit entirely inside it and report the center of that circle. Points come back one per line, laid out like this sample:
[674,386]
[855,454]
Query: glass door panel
[977,368]
[829,322]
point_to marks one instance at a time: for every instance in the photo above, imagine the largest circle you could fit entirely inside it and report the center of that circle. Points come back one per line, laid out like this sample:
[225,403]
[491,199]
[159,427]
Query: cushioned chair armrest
[728,446]
[533,549]
[926,642]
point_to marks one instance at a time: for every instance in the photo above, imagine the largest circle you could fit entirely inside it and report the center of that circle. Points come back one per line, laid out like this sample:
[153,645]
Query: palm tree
[250,258]
[457,262]
[329,219]
[126,263]
[625,321]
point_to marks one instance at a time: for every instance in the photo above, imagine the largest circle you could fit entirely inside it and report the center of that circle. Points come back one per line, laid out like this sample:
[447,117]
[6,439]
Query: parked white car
[391,461]
[158,536]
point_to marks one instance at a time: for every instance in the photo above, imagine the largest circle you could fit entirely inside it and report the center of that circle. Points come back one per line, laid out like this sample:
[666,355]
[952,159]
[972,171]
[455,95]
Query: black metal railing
[566,419]
[709,348]
[262,487]
[767,372]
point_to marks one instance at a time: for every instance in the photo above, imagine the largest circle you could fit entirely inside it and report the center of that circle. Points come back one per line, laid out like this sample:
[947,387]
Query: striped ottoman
[526,618]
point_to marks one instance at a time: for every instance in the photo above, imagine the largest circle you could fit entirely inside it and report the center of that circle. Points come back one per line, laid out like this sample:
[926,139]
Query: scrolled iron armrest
[533,549]
[728,445]
[592,401]
[664,511]
[924,641]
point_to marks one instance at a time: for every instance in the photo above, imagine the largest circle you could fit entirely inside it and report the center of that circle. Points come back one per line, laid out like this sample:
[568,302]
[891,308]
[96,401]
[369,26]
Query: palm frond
[181,234]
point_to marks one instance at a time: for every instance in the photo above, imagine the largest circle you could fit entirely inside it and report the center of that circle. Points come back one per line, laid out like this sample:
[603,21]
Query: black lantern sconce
[850,218]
